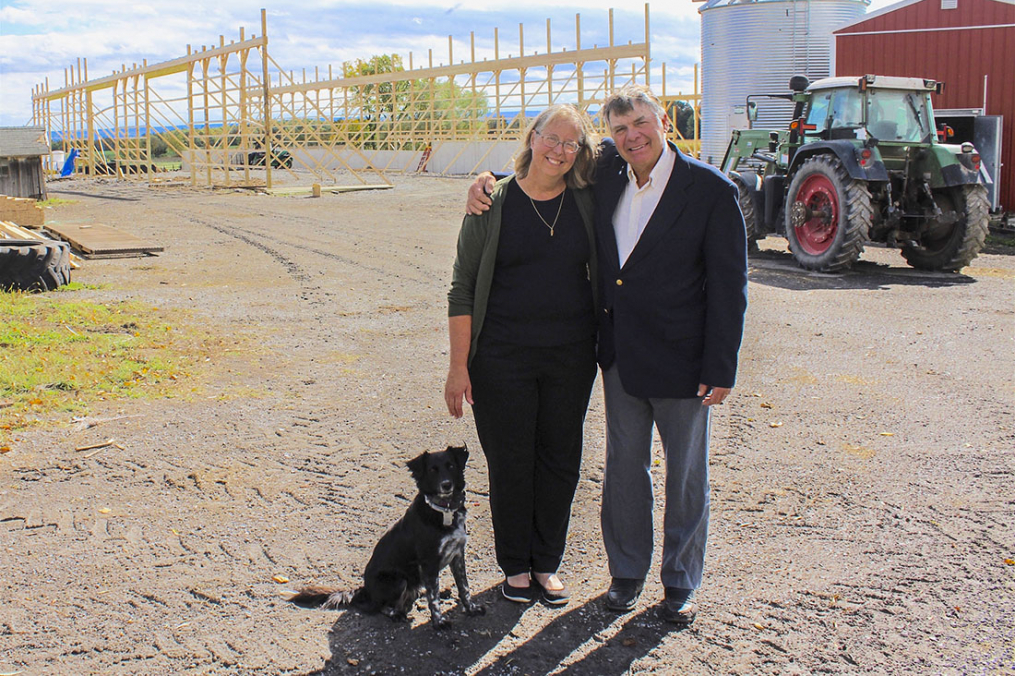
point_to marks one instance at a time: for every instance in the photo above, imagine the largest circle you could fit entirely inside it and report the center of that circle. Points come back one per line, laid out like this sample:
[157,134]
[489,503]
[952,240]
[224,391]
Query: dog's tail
[326,598]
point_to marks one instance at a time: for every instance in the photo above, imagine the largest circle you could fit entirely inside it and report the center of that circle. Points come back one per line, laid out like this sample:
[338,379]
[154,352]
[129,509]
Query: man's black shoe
[678,606]
[623,594]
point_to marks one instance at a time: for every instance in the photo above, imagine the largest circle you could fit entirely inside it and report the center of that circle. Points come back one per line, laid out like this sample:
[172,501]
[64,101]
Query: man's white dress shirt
[637,204]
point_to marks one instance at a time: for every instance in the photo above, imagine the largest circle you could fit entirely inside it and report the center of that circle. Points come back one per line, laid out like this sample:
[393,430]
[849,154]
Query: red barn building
[967,44]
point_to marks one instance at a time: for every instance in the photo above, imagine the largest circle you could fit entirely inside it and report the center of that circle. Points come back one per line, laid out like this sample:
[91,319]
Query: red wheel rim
[818,232]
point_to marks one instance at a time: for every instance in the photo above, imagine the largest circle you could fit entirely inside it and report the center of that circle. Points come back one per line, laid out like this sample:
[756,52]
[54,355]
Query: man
[673,292]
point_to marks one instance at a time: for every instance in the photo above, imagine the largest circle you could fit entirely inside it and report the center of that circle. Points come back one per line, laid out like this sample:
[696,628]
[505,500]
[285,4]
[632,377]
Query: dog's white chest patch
[451,544]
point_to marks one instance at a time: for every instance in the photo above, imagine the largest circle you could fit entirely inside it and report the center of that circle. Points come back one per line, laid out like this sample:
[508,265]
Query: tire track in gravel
[292,268]
[360,235]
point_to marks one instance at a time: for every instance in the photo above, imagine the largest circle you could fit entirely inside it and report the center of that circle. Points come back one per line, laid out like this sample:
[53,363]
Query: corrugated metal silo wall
[957,46]
[756,48]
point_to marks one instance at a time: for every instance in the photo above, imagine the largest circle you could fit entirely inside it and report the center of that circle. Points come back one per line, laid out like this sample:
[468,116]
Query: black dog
[411,555]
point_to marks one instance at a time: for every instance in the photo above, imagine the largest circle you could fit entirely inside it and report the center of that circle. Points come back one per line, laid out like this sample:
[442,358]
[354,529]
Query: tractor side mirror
[752,111]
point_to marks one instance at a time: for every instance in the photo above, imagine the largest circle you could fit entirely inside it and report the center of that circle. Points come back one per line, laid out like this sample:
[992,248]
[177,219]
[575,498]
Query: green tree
[159,146]
[682,116]
[406,105]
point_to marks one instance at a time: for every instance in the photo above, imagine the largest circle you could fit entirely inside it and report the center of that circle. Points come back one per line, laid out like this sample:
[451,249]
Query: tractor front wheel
[952,241]
[749,212]
[828,215]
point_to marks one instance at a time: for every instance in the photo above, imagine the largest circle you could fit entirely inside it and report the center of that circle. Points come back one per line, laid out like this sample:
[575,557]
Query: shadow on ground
[583,639]
[779,269]
[89,195]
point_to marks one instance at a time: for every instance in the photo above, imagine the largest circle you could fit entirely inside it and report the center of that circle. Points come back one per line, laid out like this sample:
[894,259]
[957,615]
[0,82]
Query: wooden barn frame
[235,116]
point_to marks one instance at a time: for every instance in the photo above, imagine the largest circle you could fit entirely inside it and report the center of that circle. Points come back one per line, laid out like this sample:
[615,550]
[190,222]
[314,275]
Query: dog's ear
[460,454]
[418,465]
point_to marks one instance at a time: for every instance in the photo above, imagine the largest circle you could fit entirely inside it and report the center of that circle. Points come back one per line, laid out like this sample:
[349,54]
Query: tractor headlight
[969,157]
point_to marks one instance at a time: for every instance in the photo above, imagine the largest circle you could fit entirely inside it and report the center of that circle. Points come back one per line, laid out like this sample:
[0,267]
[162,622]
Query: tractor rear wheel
[33,265]
[828,215]
[748,211]
[952,245]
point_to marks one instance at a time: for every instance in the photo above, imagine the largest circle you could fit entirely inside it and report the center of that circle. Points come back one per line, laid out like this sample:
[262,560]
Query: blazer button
[620,282]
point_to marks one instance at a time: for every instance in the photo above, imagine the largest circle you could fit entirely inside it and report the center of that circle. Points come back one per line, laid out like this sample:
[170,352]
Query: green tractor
[862,161]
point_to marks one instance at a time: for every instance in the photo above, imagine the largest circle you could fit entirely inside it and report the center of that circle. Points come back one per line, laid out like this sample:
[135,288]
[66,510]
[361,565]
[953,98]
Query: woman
[522,331]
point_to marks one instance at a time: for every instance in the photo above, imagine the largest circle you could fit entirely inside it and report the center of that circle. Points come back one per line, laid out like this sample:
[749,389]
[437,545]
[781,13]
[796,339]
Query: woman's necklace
[553,225]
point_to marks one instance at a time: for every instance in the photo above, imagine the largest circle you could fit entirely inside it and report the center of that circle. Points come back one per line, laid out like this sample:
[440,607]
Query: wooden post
[90,130]
[580,66]
[648,56]
[192,146]
[243,122]
[612,62]
[226,127]
[147,135]
[267,100]
[205,63]
[496,57]
[549,67]
[522,74]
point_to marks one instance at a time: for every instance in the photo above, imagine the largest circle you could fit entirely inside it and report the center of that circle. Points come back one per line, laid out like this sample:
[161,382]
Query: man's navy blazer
[673,316]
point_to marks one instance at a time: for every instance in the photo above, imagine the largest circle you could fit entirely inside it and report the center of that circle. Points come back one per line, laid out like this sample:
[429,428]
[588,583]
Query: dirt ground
[863,510]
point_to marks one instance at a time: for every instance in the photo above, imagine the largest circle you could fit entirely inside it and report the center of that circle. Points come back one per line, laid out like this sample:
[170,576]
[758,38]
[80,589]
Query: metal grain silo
[755,47]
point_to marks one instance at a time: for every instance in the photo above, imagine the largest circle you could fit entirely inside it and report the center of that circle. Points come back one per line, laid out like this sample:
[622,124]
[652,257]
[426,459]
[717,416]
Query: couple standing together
[628,253]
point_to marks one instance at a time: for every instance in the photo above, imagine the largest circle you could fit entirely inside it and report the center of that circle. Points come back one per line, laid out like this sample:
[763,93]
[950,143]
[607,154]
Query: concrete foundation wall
[449,158]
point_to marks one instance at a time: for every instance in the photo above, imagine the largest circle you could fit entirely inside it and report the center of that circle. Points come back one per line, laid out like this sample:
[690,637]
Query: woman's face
[550,162]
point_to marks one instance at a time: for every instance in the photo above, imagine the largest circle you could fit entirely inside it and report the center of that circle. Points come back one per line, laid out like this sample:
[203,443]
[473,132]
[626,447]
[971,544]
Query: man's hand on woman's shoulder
[479,194]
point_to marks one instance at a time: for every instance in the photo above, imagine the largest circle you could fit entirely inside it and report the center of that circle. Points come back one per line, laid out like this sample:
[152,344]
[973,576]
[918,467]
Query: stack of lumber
[12,231]
[22,210]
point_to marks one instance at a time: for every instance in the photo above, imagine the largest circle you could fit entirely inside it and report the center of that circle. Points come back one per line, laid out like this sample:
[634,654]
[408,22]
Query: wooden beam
[513,63]
[158,69]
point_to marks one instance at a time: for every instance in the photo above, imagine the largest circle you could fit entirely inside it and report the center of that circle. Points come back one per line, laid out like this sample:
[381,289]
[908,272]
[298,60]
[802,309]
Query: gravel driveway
[863,505]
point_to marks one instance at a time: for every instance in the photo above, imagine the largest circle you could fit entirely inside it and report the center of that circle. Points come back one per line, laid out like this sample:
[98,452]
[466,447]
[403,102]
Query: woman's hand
[457,386]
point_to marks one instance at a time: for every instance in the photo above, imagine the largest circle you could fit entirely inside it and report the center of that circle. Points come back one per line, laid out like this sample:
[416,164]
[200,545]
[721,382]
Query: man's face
[640,137]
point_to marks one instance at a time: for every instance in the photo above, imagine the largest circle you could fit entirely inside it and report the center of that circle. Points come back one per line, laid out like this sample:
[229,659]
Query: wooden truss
[235,117]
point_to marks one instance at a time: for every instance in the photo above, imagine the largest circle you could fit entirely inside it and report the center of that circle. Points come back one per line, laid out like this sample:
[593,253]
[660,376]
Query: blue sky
[40,38]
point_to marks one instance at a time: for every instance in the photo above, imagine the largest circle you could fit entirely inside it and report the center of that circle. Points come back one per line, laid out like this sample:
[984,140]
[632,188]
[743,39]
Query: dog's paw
[442,623]
[474,609]
[397,617]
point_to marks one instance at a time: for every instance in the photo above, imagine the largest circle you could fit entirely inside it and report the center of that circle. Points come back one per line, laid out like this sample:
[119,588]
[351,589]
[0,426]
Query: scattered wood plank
[107,442]
[10,230]
[96,240]
[14,231]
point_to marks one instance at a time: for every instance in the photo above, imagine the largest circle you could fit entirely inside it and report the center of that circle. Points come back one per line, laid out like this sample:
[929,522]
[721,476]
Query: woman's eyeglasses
[550,142]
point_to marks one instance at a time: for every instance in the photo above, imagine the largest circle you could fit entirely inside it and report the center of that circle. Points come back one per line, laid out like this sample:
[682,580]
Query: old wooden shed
[21,153]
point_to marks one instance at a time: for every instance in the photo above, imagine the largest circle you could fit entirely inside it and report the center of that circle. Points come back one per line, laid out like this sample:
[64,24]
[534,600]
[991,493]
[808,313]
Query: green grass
[169,163]
[61,354]
[55,202]
[1004,240]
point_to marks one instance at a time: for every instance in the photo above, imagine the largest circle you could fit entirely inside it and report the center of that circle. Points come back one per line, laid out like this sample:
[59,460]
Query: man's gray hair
[622,102]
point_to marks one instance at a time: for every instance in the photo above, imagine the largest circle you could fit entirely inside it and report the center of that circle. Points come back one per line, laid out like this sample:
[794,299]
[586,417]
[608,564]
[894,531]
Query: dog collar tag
[449,518]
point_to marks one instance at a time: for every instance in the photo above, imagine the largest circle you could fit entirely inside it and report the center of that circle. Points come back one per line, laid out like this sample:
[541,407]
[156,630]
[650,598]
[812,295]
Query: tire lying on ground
[33,265]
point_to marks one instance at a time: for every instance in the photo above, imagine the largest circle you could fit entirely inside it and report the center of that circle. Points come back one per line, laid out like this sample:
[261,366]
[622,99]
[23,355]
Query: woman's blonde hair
[583,172]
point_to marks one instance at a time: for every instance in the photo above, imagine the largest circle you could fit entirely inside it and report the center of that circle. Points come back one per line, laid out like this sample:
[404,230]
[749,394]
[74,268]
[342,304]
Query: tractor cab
[889,109]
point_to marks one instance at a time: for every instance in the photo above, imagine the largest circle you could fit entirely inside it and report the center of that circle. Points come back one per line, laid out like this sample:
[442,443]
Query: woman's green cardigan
[477,256]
